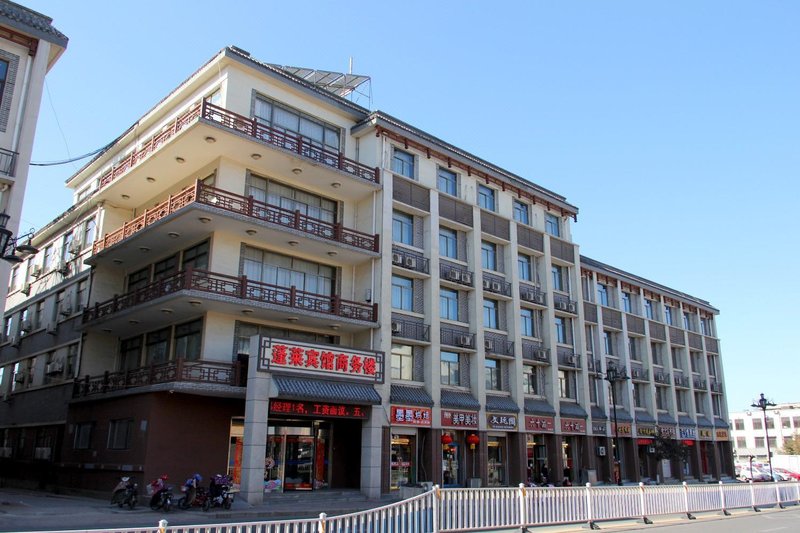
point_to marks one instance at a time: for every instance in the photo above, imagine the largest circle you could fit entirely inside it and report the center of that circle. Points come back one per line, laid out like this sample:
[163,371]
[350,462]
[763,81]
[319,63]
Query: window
[448,304]
[492,374]
[773,442]
[677,360]
[3,76]
[741,442]
[6,328]
[402,228]
[602,294]
[138,279]
[188,340]
[449,368]
[38,314]
[757,424]
[490,314]
[552,225]
[648,309]
[521,212]
[89,230]
[657,349]
[639,397]
[716,405]
[608,343]
[796,422]
[486,198]
[704,326]
[694,361]
[66,243]
[526,322]
[196,257]
[668,314]
[568,384]
[447,181]
[119,434]
[785,423]
[402,293]
[633,348]
[448,243]
[403,163]
[680,401]
[770,423]
[311,130]
[699,403]
[14,279]
[157,347]
[530,379]
[289,198]
[286,271]
[759,442]
[589,338]
[130,353]
[47,262]
[738,424]
[626,302]
[712,365]
[402,362]
[83,436]
[488,255]
[71,366]
[525,265]
[560,282]
[562,327]
[662,401]
[165,268]
[594,384]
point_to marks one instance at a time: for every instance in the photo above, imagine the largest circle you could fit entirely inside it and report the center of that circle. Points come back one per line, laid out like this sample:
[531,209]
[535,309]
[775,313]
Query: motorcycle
[125,493]
[162,499]
[194,494]
[220,493]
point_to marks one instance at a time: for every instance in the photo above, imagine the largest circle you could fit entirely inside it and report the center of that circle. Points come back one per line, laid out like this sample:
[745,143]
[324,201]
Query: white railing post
[778,495]
[322,521]
[645,520]
[436,496]
[686,500]
[722,499]
[523,508]
[589,511]
[162,526]
[753,497]
[797,490]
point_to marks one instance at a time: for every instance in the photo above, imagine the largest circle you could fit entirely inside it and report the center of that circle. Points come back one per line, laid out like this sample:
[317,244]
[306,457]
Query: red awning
[644,442]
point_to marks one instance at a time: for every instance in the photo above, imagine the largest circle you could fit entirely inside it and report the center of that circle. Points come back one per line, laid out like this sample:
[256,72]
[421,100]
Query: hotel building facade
[264,278]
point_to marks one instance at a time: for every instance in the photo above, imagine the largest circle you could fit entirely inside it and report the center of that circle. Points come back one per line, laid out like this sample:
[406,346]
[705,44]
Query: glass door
[299,459]
[273,464]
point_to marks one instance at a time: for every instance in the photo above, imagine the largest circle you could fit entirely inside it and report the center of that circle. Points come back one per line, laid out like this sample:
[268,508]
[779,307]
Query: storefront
[645,448]
[573,431]
[705,436]
[622,451]
[602,449]
[497,447]
[539,440]
[407,423]
[459,458]
[688,437]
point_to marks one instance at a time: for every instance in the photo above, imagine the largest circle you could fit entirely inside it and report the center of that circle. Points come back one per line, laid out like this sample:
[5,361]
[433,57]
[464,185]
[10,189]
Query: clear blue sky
[673,126]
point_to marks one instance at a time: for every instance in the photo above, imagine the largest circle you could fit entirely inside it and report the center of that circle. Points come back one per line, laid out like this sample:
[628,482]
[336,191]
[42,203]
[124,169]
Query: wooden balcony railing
[240,205]
[249,127]
[236,287]
[208,372]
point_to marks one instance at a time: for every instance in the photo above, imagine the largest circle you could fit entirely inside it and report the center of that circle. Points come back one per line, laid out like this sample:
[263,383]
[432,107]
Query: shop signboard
[722,434]
[668,432]
[319,360]
[645,431]
[459,419]
[501,421]
[623,429]
[411,416]
[540,424]
[573,425]
[317,409]
[688,433]
[705,434]
[599,428]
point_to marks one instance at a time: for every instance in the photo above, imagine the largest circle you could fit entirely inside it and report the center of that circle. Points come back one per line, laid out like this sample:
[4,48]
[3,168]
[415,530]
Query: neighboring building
[29,47]
[263,277]
[748,431]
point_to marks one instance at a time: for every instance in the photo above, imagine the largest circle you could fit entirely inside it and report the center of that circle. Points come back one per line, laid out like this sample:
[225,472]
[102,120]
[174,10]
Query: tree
[668,448]
[791,446]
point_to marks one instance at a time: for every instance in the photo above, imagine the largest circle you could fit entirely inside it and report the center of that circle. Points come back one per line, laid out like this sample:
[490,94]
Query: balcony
[496,285]
[681,381]
[410,329]
[640,374]
[535,351]
[202,372]
[593,365]
[699,383]
[205,197]
[569,359]
[498,346]
[250,128]
[532,295]
[407,259]
[563,303]
[716,386]
[455,337]
[661,377]
[455,274]
[8,162]
[231,291]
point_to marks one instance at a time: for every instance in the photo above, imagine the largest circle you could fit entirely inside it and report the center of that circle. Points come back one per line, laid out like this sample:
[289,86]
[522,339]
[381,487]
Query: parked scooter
[220,493]
[194,494]
[125,493]
[161,494]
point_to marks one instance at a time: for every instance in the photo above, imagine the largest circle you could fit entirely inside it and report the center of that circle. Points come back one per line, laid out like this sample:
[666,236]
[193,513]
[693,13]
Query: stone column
[256,414]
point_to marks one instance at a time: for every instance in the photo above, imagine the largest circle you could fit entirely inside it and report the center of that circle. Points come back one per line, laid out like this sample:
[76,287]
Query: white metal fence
[449,510]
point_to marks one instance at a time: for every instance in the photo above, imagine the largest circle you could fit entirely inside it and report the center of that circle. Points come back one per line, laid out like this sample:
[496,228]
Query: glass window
[48,259]
[525,265]
[526,322]
[602,294]
[3,76]
[759,442]
[608,342]
[530,379]
[490,314]
[311,130]
[492,374]
[656,350]
[285,271]
[449,368]
[626,302]
[188,340]
[83,436]
[757,424]
[138,279]
[448,304]
[402,293]
[402,362]
[521,212]
[280,195]
[661,398]
[488,255]
[130,353]
[66,243]
[770,423]
[648,309]
[552,225]
[157,347]
[677,360]
[89,230]
[562,326]
[165,268]
[589,338]
[687,321]
[668,314]
[403,228]
[559,279]
[704,326]
[447,181]
[633,348]
[738,424]
[403,163]
[785,423]
[639,395]
[196,257]
[568,384]
[486,198]
[119,434]
[448,243]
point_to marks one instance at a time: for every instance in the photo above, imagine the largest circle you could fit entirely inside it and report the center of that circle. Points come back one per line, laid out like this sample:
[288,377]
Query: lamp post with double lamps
[762,403]
[613,375]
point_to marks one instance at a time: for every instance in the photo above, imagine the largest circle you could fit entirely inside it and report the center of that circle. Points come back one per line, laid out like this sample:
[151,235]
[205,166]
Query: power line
[73,159]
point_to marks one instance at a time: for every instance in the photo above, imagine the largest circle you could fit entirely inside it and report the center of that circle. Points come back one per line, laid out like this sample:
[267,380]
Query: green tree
[667,448]
[791,446]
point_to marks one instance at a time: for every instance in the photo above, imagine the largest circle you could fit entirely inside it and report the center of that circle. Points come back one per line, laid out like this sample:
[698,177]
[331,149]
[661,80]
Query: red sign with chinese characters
[321,409]
[622,429]
[411,416]
[463,419]
[573,425]
[722,434]
[278,355]
[540,424]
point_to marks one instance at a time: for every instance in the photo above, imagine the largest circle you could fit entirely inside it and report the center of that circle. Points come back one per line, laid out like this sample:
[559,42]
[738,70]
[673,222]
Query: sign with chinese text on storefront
[599,428]
[622,429]
[645,431]
[498,421]
[573,425]
[668,432]
[722,434]
[411,416]
[688,433]
[459,419]
[322,409]
[540,424]
[705,434]
[278,355]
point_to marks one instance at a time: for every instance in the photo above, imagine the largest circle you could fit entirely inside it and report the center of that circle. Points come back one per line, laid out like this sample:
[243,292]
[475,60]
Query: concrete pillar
[256,414]
[371,441]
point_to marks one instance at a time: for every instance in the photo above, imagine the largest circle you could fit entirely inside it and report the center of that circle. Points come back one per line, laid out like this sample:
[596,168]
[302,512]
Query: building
[29,47]
[312,295]
[748,434]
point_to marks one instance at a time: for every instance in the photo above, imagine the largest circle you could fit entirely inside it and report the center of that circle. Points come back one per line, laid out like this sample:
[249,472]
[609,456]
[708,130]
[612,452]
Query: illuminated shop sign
[705,434]
[667,431]
[278,355]
[411,416]
[599,428]
[573,425]
[688,433]
[506,422]
[540,424]
[623,430]
[317,409]
[465,419]
[722,434]
[646,431]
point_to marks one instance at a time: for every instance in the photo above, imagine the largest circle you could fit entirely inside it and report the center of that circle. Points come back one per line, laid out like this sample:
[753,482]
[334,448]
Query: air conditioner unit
[488,344]
[454,275]
[571,359]
[65,310]
[495,286]
[541,355]
[411,262]
[397,327]
[54,367]
[26,289]
[466,277]
[601,451]
[26,326]
[571,308]
[36,271]
[562,306]
[52,328]
[487,284]
[397,259]
[464,340]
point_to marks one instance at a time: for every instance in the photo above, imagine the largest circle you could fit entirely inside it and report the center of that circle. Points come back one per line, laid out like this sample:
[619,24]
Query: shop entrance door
[299,459]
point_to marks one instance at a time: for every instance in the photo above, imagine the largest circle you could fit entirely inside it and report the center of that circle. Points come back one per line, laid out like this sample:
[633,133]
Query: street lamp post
[614,374]
[762,404]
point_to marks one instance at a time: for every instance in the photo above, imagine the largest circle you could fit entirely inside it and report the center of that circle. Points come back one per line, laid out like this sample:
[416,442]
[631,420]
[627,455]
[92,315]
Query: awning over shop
[643,417]
[704,422]
[598,413]
[686,421]
[290,388]
[459,400]
[538,407]
[572,410]
[503,404]
[402,395]
[720,423]
[622,415]
[664,418]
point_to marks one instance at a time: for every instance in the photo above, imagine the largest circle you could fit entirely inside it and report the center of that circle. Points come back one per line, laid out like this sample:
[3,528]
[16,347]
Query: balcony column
[256,414]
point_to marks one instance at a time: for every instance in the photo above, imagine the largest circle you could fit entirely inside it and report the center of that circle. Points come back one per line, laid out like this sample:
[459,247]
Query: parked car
[788,474]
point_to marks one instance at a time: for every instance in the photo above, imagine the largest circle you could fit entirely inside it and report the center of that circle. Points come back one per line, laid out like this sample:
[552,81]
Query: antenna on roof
[350,71]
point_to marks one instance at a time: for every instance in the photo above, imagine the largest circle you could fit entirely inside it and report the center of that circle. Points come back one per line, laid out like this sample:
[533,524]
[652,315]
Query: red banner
[317,409]
[411,416]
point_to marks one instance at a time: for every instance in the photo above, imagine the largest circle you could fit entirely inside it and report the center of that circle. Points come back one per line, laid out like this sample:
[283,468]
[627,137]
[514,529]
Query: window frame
[521,212]
[449,370]
[402,362]
[491,313]
[489,255]
[402,288]
[403,163]
[448,302]
[552,225]
[487,198]
[449,179]
[114,434]
[448,242]
[402,228]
